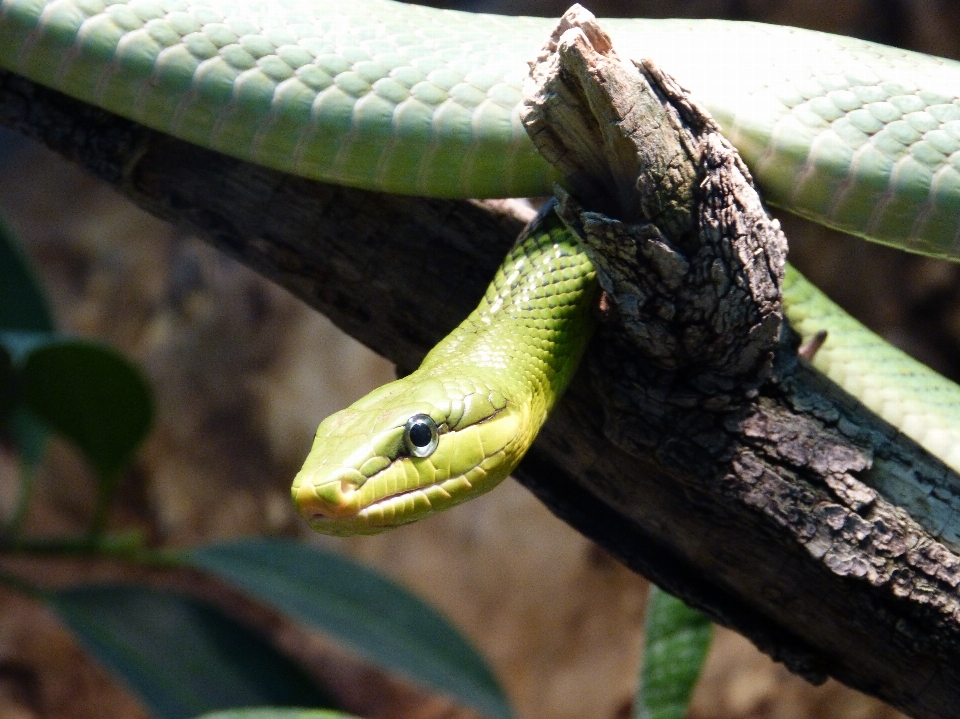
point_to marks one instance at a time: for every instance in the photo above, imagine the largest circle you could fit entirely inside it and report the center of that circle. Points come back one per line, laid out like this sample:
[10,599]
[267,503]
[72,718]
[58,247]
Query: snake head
[405,451]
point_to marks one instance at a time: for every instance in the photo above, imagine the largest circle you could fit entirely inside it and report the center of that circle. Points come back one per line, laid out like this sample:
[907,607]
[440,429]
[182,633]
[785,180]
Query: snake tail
[459,425]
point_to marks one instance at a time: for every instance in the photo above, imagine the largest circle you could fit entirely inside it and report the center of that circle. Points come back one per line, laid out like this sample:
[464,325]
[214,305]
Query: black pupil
[420,434]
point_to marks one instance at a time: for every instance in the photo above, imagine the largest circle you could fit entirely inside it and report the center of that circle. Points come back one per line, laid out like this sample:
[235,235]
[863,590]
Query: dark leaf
[182,656]
[372,615]
[29,434]
[23,305]
[93,396]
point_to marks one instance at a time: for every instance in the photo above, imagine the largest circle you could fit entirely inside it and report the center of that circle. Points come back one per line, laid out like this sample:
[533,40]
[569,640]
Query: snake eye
[420,435]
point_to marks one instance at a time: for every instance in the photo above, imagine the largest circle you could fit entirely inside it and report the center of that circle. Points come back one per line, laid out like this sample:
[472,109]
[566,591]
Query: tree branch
[760,514]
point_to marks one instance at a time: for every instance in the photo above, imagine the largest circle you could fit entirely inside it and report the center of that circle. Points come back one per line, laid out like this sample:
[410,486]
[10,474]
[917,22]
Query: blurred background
[243,373]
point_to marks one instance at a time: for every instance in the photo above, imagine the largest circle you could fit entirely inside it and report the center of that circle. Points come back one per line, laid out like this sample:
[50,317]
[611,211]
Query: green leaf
[182,656]
[676,645]
[275,713]
[92,395]
[370,614]
[23,305]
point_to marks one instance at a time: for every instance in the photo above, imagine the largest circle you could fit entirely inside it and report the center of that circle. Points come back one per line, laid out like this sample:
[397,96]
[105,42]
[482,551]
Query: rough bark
[757,509]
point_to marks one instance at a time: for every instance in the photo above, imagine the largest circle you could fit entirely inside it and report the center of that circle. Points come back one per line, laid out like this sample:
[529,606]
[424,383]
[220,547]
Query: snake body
[401,98]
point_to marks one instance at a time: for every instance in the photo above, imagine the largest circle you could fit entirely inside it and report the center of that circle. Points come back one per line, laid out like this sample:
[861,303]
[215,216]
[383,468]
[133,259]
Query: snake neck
[460,424]
[529,332]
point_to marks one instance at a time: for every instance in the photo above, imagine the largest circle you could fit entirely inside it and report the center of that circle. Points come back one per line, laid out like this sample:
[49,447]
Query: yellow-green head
[407,450]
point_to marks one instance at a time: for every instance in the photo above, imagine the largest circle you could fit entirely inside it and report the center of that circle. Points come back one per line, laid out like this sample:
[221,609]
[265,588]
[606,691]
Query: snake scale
[401,98]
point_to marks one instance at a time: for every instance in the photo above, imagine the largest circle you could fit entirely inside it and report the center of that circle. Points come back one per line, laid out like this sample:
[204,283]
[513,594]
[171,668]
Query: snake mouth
[403,507]
[341,502]
[429,493]
[413,501]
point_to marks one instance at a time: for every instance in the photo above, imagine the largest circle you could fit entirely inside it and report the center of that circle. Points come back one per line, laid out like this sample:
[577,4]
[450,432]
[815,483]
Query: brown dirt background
[242,374]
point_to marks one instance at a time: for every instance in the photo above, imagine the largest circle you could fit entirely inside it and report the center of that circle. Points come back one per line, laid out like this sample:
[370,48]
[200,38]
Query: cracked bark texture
[760,514]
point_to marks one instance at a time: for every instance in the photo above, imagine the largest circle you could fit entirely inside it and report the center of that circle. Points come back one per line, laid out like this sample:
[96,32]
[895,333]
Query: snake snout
[333,497]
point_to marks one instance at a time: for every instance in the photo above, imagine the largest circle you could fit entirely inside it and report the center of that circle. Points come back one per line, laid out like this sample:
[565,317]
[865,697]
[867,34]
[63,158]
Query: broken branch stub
[673,224]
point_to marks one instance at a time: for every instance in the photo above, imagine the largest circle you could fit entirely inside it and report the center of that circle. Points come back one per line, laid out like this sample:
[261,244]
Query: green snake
[400,98]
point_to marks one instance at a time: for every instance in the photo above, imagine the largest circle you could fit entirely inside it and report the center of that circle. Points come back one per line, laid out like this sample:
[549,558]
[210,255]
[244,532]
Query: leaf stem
[127,546]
